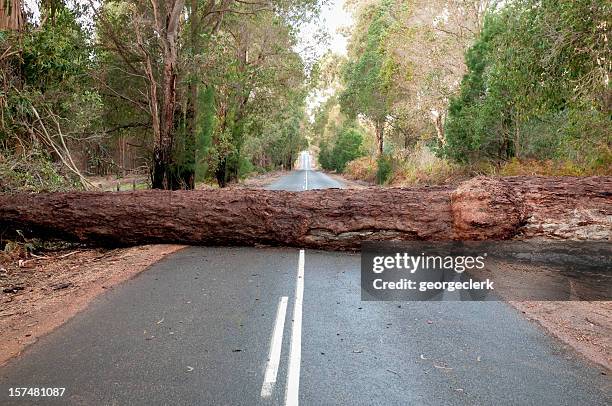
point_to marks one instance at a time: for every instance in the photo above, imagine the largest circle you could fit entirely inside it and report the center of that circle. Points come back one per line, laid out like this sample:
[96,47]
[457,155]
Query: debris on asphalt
[442,367]
[59,286]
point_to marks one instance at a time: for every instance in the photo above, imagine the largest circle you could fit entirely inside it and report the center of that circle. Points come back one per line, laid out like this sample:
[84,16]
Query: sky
[311,45]
[333,18]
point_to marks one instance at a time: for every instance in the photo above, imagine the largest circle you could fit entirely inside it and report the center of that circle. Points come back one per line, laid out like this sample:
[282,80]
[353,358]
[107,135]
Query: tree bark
[188,175]
[162,150]
[380,133]
[439,125]
[11,15]
[482,208]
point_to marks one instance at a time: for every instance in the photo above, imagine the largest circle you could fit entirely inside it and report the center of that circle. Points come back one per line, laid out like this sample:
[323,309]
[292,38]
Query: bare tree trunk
[188,173]
[162,150]
[380,133]
[11,15]
[438,120]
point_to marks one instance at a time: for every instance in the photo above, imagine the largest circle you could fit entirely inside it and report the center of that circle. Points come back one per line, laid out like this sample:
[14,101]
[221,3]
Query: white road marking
[295,355]
[275,349]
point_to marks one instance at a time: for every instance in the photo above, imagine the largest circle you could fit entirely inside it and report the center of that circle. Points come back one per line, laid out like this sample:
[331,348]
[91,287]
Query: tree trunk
[221,173]
[482,208]
[188,174]
[162,150]
[380,133]
[438,120]
[11,15]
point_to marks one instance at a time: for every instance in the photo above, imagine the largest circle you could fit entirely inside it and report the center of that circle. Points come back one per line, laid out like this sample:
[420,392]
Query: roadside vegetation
[175,91]
[445,90]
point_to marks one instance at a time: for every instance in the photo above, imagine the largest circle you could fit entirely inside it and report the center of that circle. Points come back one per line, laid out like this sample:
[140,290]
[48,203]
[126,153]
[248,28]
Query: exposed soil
[39,294]
[260,181]
[253,182]
[584,326]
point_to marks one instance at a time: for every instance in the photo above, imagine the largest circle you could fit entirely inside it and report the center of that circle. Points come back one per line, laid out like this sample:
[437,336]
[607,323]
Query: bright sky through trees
[334,17]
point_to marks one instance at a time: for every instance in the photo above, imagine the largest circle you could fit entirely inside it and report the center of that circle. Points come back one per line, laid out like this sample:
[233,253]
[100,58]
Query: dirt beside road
[39,294]
[584,326]
[260,181]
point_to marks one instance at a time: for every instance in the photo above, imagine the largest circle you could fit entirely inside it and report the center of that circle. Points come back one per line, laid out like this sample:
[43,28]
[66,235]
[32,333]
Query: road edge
[55,312]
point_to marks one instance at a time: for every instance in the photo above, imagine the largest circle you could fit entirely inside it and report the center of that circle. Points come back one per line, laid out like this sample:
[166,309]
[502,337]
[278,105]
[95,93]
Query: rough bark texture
[482,208]
[533,207]
[162,152]
[11,15]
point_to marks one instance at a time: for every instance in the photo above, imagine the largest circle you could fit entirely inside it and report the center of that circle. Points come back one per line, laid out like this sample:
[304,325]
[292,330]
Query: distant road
[275,326]
[304,178]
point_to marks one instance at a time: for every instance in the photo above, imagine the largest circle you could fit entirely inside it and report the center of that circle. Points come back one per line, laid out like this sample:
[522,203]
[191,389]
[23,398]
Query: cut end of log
[486,208]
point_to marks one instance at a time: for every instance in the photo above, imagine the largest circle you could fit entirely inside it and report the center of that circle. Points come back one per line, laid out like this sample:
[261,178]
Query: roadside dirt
[39,294]
[254,182]
[109,183]
[260,181]
[584,326]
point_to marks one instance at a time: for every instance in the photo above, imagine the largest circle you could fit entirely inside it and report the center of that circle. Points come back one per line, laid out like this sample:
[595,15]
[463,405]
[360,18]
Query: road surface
[304,178]
[272,326]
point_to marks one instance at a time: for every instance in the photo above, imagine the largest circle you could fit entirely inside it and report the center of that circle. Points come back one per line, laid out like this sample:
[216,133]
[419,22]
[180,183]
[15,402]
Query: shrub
[346,147]
[32,173]
[363,168]
[384,169]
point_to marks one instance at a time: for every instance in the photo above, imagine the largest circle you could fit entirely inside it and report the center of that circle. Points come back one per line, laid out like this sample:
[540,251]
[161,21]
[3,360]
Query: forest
[210,91]
[432,91]
[183,91]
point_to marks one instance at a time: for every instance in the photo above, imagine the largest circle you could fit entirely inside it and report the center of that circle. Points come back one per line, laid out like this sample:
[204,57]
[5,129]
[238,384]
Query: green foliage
[32,173]
[48,104]
[205,126]
[384,165]
[536,87]
[346,147]
[326,159]
[57,54]
[368,75]
[260,94]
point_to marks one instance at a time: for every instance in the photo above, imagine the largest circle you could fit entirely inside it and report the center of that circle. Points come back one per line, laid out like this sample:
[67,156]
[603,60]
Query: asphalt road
[205,326]
[304,179]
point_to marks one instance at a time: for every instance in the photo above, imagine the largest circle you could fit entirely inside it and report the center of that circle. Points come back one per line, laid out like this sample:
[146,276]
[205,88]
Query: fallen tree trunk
[482,208]
[525,207]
